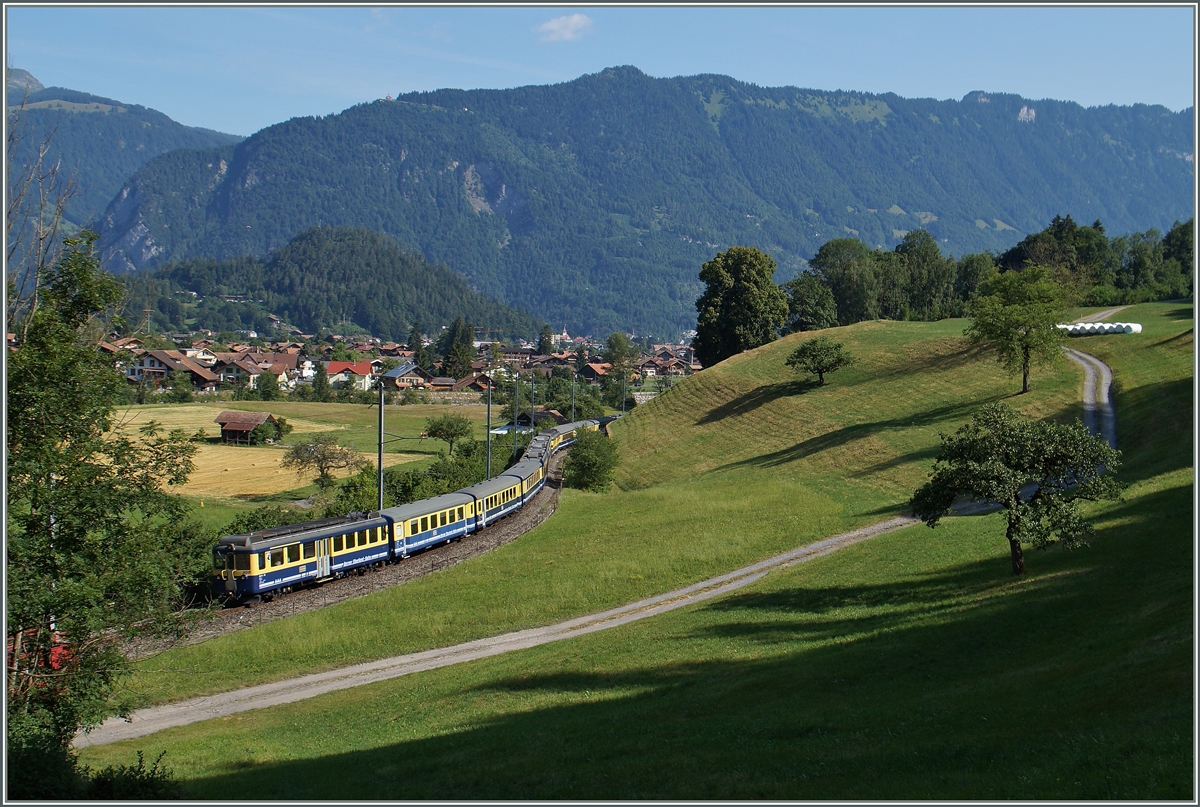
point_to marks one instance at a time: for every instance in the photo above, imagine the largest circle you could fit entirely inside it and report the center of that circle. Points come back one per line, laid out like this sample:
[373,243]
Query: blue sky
[241,68]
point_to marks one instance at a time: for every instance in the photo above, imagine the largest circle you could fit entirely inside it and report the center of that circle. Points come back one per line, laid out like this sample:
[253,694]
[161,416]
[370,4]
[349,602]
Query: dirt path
[1098,414]
[148,721]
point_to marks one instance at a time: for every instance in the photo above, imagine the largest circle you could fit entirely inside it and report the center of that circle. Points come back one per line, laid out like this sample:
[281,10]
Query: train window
[293,553]
[442,518]
[374,534]
[310,550]
[460,514]
[262,561]
[337,543]
[218,561]
[276,557]
[241,562]
[424,523]
[412,527]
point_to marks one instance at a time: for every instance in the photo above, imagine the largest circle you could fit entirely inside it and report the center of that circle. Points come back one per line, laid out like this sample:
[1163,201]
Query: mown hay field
[191,417]
[246,472]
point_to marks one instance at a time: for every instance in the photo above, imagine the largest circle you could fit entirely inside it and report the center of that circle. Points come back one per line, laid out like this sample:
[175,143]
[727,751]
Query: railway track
[219,621]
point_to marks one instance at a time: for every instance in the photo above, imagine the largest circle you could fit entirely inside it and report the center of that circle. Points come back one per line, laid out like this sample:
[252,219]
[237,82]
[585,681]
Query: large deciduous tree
[591,463]
[97,551]
[1017,315]
[811,306]
[741,308]
[1038,471]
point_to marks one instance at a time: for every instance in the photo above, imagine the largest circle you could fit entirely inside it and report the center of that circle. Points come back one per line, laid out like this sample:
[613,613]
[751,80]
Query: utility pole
[516,409]
[489,432]
[573,376]
[380,466]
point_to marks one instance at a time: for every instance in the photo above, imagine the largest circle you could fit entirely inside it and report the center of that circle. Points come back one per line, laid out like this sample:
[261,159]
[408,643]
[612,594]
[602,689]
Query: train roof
[496,484]
[525,468]
[425,506]
[304,531]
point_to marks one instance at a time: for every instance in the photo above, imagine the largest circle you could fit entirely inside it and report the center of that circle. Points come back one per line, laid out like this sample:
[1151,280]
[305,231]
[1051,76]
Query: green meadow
[911,666]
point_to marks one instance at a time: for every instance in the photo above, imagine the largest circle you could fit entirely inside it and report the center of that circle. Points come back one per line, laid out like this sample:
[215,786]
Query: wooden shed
[236,426]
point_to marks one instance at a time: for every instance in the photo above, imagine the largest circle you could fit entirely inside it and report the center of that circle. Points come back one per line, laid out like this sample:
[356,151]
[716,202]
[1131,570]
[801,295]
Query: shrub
[591,463]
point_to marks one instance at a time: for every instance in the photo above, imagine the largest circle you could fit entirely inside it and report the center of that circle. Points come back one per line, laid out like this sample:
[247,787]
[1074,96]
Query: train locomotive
[262,564]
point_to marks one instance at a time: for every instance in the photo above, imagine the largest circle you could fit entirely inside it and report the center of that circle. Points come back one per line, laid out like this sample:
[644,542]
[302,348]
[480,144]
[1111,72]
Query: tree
[591,463]
[545,341]
[416,344]
[320,383]
[845,265]
[457,363]
[581,357]
[449,428]
[181,386]
[819,356]
[741,307]
[810,304]
[999,454]
[97,551]
[321,455]
[268,386]
[1017,315]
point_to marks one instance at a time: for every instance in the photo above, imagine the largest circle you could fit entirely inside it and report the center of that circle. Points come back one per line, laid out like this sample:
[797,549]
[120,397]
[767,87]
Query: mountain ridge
[594,202]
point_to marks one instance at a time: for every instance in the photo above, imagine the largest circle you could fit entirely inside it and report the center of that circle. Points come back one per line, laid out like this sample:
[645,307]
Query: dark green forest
[101,142]
[592,202]
[346,279]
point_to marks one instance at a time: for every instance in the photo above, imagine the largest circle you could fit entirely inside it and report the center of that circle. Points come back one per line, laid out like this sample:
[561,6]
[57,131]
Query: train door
[230,581]
[323,560]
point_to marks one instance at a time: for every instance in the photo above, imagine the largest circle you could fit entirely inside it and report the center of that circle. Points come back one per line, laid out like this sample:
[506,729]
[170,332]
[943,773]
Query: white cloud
[561,28]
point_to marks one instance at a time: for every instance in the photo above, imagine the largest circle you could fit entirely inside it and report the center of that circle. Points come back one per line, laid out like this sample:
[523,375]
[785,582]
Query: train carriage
[249,565]
[422,524]
[496,498]
[277,560]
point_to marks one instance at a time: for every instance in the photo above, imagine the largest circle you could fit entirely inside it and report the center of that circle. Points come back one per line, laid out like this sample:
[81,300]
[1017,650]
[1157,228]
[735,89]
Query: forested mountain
[594,202]
[325,277]
[100,141]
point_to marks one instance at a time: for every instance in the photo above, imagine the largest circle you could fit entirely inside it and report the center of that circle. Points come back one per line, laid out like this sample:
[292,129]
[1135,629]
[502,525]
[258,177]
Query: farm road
[1098,413]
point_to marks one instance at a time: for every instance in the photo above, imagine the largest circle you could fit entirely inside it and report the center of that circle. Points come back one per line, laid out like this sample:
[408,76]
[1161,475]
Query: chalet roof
[242,421]
[442,382]
[356,367]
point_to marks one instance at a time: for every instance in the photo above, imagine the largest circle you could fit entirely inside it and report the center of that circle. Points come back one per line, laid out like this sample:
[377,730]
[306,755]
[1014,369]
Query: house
[236,426]
[407,376]
[440,384]
[353,374]
[475,383]
[156,365]
[595,372]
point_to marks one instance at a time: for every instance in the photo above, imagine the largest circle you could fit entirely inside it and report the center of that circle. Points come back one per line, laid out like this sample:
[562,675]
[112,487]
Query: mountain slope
[323,277]
[594,202]
[102,142]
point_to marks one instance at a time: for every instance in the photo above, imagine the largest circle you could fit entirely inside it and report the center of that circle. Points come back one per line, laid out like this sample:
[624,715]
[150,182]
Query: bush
[591,463]
[130,782]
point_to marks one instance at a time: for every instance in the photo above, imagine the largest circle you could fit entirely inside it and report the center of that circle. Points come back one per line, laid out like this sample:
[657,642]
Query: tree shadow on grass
[1183,312]
[748,402]
[898,690]
[848,434]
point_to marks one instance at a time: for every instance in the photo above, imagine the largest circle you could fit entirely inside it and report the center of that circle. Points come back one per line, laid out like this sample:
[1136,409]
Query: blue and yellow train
[265,563]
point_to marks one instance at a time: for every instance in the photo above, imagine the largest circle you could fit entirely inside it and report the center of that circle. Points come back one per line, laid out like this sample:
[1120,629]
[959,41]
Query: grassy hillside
[911,666]
[705,492]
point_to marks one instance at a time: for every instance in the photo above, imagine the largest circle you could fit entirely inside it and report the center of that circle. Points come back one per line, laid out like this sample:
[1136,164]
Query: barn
[236,426]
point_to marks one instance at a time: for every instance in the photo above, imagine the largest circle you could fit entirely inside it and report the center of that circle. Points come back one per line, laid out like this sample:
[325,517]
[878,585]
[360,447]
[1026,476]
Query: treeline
[340,278]
[848,282]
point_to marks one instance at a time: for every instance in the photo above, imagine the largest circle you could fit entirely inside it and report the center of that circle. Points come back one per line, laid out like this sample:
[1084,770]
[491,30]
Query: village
[213,367]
